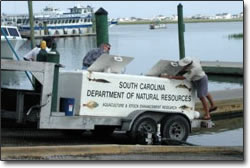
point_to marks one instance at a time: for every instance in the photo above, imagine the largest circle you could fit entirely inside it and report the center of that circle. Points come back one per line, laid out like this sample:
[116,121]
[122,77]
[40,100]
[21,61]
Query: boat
[157,25]
[12,79]
[53,22]
[15,39]
[112,22]
[8,20]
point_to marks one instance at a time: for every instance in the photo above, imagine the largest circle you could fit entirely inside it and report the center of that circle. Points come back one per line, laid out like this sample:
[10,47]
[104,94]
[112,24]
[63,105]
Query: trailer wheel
[141,127]
[176,127]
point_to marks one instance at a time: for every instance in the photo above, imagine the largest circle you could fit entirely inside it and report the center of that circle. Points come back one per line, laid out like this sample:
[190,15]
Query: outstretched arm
[172,77]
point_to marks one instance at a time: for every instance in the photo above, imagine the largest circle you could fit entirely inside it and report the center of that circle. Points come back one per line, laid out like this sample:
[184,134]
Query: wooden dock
[223,68]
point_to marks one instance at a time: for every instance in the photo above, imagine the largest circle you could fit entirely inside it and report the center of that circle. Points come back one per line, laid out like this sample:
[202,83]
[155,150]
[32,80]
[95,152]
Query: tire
[176,128]
[141,127]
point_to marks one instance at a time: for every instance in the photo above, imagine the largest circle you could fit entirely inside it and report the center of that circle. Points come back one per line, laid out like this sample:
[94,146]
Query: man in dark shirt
[95,53]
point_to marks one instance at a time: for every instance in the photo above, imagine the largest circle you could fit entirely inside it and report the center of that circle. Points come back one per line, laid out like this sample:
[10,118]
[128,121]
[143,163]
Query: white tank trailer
[103,99]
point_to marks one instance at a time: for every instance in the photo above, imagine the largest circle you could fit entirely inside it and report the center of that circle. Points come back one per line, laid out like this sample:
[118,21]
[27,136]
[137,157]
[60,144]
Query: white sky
[143,9]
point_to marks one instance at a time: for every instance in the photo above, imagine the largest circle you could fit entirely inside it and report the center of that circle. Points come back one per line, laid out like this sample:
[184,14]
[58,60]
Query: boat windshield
[13,32]
[5,31]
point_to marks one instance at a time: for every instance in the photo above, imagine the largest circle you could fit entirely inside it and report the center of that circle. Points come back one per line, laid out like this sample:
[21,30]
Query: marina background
[124,9]
[208,41]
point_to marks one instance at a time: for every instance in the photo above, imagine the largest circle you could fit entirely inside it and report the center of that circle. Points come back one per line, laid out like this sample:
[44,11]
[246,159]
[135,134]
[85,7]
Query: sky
[142,9]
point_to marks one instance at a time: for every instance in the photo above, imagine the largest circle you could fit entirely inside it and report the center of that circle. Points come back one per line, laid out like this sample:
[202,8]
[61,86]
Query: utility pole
[32,38]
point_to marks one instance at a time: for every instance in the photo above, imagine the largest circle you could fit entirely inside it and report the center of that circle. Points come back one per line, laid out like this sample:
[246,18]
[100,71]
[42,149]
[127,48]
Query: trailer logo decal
[184,107]
[98,80]
[184,87]
[91,104]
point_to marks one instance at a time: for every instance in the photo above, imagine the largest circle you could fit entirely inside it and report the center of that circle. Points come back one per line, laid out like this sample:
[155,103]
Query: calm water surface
[227,132]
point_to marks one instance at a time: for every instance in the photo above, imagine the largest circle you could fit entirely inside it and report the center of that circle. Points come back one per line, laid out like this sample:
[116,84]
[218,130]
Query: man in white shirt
[31,55]
[198,77]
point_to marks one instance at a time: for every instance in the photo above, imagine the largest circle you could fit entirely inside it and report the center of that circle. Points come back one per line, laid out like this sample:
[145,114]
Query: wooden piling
[181,29]
[101,17]
[32,37]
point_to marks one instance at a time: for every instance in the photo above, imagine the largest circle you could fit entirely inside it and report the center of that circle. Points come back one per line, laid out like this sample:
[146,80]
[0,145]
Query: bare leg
[205,107]
[210,99]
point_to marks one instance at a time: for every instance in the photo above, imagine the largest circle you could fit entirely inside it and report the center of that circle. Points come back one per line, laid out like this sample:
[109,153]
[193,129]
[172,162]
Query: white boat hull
[6,52]
[13,79]
[158,26]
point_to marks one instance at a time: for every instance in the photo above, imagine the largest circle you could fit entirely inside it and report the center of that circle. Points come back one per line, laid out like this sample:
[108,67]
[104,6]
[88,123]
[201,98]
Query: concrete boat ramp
[121,152]
[229,103]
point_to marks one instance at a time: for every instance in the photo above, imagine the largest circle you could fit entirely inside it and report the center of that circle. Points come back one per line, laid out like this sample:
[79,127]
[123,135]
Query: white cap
[185,61]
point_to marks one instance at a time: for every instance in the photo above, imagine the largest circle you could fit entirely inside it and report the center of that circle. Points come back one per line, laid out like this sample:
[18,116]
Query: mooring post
[101,19]
[54,56]
[181,30]
[41,57]
[32,38]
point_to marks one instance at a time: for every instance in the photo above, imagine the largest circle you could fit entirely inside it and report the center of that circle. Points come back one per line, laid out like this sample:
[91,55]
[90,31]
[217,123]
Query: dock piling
[32,38]
[54,57]
[101,20]
[181,30]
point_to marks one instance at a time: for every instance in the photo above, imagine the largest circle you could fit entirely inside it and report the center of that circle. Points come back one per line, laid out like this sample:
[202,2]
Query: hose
[38,105]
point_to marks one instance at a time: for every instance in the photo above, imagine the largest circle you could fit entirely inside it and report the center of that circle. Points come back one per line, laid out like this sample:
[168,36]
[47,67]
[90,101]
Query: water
[207,41]
[225,138]
[227,132]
